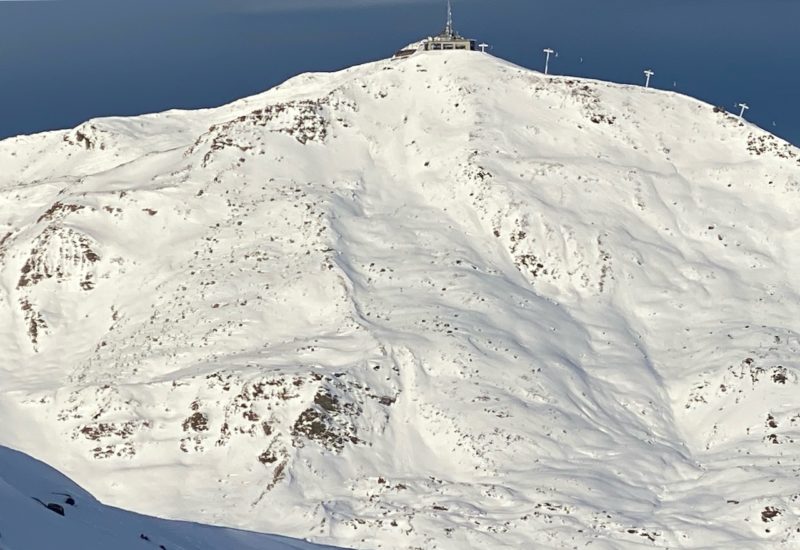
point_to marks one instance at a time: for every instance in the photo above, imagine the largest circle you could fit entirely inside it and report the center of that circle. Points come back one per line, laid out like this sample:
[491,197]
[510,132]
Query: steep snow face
[43,509]
[444,302]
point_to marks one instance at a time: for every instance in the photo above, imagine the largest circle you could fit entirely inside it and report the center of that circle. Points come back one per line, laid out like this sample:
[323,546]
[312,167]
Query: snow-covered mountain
[441,303]
[40,509]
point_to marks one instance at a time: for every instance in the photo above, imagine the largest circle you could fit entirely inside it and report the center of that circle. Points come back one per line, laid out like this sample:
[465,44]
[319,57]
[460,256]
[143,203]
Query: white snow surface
[78,521]
[440,303]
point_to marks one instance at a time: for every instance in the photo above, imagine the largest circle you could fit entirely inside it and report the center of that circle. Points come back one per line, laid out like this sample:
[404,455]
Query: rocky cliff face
[442,302]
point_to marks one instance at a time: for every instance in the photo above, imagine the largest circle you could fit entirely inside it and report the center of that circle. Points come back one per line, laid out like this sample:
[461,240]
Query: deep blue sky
[64,62]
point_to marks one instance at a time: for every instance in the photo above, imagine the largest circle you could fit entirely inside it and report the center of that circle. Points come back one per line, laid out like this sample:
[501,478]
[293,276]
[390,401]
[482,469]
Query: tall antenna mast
[449,29]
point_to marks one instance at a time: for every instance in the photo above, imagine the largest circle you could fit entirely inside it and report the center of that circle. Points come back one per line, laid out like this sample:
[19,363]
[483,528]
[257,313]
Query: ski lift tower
[548,52]
[744,107]
[649,74]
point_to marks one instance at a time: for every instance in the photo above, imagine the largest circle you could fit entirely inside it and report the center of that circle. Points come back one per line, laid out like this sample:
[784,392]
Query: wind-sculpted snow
[443,302]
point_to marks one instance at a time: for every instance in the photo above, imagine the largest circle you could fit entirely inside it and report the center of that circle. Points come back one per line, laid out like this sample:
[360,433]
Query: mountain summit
[443,302]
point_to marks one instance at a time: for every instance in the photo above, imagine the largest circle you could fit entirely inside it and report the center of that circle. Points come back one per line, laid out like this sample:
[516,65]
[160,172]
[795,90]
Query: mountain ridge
[43,509]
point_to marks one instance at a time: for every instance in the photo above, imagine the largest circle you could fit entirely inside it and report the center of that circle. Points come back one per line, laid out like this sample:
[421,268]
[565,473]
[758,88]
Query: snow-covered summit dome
[444,303]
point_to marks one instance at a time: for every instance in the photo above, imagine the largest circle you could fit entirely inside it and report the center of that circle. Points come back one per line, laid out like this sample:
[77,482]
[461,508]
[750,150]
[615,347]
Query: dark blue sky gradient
[62,63]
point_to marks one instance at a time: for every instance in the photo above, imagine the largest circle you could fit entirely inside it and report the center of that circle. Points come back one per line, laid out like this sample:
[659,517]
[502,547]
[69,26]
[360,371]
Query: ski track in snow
[440,303]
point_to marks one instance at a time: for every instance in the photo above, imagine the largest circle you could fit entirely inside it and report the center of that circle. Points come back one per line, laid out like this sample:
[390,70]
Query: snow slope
[440,303]
[76,520]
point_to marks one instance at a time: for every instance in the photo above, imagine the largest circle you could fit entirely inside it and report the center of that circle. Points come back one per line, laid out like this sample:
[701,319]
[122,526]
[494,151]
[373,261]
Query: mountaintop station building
[448,40]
